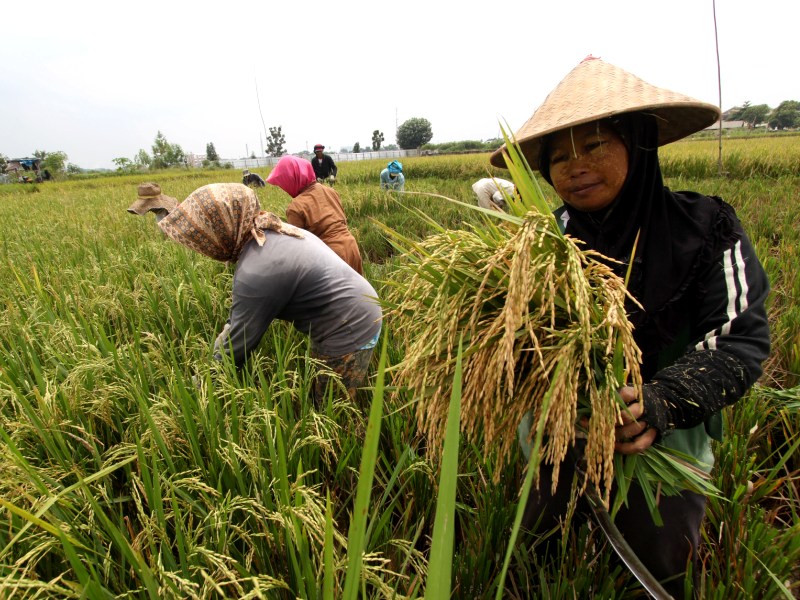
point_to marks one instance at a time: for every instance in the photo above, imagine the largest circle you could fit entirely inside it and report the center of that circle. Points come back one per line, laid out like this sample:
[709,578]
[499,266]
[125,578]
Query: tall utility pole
[719,87]
[258,101]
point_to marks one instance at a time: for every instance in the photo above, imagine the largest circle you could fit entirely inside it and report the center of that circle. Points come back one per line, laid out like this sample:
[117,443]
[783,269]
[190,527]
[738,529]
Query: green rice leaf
[358,524]
[441,555]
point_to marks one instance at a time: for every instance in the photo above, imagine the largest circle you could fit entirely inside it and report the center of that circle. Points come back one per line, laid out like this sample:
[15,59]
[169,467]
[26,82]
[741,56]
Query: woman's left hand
[633,434]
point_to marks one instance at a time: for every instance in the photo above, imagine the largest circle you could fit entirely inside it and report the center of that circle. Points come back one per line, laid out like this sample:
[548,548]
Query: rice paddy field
[134,466]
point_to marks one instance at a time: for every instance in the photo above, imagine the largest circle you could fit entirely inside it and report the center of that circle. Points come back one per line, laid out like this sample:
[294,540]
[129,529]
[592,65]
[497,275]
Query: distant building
[194,160]
[727,125]
[26,170]
[23,164]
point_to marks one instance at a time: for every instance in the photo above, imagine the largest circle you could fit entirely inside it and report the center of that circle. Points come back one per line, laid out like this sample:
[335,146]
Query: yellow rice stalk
[539,316]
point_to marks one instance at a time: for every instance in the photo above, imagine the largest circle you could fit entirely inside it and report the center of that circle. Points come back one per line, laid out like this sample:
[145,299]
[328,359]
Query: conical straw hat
[596,89]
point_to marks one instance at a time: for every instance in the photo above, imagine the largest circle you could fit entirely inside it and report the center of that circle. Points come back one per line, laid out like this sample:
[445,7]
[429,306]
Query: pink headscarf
[292,175]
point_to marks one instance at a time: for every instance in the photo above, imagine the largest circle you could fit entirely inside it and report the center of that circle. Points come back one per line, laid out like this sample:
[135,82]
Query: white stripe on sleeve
[736,288]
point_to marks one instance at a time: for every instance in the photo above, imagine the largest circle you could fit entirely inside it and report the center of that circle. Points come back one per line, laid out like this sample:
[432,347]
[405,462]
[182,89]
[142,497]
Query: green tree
[414,132]
[160,149]
[755,114]
[752,114]
[377,140]
[165,154]
[275,142]
[124,165]
[356,147]
[787,115]
[211,153]
[735,114]
[142,159]
[3,163]
[55,162]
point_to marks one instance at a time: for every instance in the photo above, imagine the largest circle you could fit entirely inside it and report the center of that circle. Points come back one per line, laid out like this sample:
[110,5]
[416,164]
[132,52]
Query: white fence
[196,160]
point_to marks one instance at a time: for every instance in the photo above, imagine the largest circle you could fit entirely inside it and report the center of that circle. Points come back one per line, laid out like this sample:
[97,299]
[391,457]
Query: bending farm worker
[392,177]
[316,208]
[699,318]
[489,192]
[252,179]
[281,273]
[325,169]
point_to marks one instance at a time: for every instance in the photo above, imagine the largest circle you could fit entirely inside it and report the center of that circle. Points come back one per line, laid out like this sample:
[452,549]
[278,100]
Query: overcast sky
[98,80]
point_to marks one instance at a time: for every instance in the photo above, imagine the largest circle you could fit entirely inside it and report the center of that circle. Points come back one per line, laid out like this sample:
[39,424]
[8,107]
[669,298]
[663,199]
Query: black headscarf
[679,232]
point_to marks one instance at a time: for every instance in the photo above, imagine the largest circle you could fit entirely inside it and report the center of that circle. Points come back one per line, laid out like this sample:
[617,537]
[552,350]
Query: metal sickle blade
[621,547]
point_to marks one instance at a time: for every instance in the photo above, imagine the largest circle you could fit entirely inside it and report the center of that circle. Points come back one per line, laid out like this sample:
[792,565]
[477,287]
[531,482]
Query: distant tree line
[356,148]
[414,133]
[411,134]
[164,155]
[785,116]
[466,146]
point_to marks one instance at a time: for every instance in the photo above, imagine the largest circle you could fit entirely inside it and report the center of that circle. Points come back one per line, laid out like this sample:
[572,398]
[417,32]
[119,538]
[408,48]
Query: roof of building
[728,125]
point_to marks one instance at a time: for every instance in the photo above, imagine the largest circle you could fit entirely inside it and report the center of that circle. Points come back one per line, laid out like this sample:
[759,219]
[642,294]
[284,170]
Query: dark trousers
[665,551]
[352,368]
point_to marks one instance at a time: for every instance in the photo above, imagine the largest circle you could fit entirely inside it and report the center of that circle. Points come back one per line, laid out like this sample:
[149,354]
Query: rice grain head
[539,316]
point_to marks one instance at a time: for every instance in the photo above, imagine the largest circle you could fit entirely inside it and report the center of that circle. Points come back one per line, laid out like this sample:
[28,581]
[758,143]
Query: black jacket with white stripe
[724,343]
[703,349]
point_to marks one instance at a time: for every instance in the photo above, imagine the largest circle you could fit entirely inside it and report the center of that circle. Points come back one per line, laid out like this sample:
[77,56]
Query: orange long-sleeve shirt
[318,209]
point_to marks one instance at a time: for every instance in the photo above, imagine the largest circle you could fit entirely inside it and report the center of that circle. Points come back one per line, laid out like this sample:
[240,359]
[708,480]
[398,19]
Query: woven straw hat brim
[595,90]
[142,206]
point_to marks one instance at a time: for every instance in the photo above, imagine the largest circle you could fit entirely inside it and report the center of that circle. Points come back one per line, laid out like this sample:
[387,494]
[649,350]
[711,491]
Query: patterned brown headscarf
[219,219]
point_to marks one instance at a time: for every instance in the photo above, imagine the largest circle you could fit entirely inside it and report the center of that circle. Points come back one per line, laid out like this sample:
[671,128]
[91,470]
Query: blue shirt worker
[392,177]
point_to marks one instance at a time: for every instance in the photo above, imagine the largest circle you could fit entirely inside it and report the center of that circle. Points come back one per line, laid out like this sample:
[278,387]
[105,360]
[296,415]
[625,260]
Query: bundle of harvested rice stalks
[544,330]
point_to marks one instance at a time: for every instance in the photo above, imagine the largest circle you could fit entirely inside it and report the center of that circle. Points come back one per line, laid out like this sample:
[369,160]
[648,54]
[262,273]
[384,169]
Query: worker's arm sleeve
[296,217]
[251,314]
[726,359]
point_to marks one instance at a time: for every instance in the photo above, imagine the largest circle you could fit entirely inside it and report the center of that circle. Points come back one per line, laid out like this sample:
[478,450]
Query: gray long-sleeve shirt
[304,282]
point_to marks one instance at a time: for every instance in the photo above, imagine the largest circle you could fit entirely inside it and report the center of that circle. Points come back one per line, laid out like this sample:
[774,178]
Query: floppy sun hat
[395,167]
[150,198]
[595,90]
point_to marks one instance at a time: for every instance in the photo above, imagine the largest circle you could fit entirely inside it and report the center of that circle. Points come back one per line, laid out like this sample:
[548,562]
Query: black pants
[664,550]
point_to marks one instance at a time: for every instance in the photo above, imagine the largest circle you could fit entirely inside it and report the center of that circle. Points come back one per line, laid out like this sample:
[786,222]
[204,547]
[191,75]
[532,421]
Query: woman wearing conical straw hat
[699,318]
